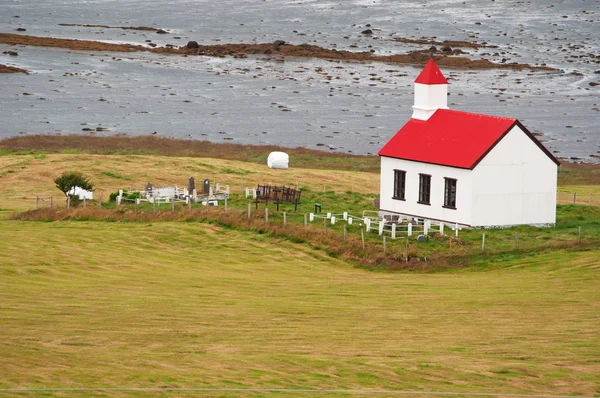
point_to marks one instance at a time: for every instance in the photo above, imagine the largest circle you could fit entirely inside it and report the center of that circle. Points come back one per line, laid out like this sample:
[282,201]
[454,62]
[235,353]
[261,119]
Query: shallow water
[337,106]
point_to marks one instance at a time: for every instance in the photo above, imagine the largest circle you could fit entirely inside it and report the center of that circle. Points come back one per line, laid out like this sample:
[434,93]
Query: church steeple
[431,91]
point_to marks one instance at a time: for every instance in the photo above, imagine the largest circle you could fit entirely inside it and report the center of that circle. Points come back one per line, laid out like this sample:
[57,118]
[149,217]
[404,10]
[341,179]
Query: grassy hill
[121,299]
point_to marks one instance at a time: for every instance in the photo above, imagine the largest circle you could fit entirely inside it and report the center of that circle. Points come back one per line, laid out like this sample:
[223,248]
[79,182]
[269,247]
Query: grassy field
[29,175]
[126,299]
[193,305]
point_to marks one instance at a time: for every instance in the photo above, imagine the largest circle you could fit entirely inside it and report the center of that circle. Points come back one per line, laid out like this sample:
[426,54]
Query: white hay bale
[278,160]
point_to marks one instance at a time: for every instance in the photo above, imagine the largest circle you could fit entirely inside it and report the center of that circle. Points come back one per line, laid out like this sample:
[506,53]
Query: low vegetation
[151,145]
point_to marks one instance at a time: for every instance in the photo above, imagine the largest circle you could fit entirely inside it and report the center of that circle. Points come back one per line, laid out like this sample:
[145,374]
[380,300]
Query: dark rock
[162,32]
[367,32]
[446,49]
[192,44]
[21,30]
[12,53]
[594,84]
[433,48]
[278,43]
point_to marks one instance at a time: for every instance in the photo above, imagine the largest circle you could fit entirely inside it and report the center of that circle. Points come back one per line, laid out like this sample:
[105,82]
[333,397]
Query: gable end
[527,133]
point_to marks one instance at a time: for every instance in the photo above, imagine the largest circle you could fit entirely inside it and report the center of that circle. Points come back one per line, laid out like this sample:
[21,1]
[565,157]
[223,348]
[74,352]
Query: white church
[465,168]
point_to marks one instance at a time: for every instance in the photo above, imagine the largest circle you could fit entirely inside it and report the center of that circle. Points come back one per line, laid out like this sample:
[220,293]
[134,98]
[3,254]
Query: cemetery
[208,196]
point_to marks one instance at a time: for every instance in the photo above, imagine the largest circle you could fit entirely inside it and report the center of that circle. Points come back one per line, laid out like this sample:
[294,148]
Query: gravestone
[206,187]
[191,184]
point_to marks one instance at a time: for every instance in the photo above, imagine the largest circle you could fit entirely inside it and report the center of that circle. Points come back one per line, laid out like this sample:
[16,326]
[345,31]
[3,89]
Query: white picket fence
[393,225]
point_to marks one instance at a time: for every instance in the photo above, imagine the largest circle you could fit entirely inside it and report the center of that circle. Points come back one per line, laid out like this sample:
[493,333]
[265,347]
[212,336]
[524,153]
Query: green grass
[117,176]
[196,305]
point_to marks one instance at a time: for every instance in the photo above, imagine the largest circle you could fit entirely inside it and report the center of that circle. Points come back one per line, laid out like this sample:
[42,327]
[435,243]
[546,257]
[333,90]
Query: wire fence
[586,199]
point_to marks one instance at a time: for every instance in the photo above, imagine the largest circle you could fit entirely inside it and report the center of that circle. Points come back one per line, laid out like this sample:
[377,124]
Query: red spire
[431,74]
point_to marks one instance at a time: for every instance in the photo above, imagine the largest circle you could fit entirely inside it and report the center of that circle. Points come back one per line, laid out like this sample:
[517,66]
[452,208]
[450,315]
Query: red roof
[452,138]
[431,74]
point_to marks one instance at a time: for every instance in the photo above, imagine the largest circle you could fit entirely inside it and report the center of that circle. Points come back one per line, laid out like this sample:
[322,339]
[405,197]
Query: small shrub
[69,179]
[133,195]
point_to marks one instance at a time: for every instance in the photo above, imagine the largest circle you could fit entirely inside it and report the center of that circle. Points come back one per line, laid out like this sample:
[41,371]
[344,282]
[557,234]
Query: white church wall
[435,210]
[514,184]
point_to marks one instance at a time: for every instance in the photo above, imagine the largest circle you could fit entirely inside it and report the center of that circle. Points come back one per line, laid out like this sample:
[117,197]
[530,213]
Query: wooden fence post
[516,240]
[284,218]
[574,197]
[68,202]
[325,224]
[362,236]
[483,242]
[578,234]
[249,210]
[225,204]
[406,254]
[384,245]
[344,232]
[37,200]
[84,202]
[267,215]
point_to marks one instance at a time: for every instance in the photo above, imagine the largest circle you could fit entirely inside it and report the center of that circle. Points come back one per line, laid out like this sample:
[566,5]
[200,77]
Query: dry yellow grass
[191,305]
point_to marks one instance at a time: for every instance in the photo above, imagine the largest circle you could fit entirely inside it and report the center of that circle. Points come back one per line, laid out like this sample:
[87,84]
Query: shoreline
[277,48]
[178,147]
[12,69]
